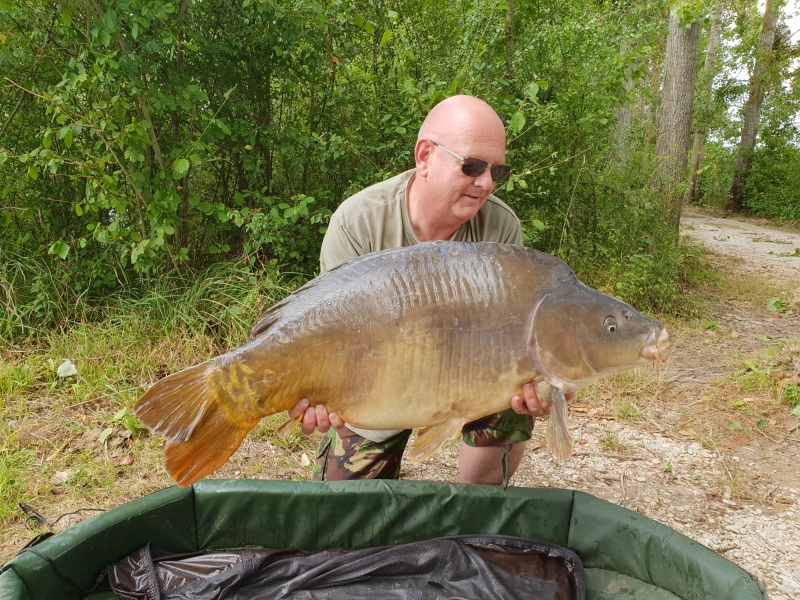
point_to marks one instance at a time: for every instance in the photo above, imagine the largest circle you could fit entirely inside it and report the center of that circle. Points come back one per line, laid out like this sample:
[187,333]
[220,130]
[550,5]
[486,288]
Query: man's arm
[338,246]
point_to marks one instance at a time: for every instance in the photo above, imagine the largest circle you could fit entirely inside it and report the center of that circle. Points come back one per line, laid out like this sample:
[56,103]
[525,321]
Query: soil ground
[707,445]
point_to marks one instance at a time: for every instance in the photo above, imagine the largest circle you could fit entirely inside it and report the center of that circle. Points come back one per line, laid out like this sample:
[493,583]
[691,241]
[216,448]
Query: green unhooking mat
[624,554]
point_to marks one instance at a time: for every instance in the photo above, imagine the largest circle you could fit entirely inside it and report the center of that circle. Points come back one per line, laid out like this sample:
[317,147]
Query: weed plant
[611,442]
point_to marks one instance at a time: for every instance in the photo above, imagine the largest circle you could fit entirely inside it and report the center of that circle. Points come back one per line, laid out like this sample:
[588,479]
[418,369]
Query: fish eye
[610,323]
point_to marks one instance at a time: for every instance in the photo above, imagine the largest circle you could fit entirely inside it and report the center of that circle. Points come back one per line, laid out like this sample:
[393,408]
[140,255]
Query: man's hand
[530,403]
[315,417]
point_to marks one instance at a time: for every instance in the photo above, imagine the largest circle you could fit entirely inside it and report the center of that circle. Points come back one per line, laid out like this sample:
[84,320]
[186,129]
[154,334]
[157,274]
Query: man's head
[443,193]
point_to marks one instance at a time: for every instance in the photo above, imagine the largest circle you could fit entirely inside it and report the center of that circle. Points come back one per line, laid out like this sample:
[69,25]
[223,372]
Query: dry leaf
[305,461]
[128,460]
[91,434]
[60,477]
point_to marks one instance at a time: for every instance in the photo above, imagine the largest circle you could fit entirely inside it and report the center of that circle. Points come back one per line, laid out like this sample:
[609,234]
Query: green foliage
[791,394]
[716,175]
[773,185]
[142,138]
[222,302]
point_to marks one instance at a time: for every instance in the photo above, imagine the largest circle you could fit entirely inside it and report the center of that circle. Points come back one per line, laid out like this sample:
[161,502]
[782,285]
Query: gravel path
[758,249]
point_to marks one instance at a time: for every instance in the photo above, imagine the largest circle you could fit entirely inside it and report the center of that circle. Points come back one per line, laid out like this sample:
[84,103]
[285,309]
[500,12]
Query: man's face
[455,196]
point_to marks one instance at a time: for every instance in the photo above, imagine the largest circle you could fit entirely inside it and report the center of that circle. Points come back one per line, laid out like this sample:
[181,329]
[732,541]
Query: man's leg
[480,459]
[484,465]
[346,456]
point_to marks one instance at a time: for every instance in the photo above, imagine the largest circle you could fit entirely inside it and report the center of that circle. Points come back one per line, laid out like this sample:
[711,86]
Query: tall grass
[36,297]
[119,346]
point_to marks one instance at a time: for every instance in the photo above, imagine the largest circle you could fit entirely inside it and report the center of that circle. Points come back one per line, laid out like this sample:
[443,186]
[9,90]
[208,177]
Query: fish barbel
[434,336]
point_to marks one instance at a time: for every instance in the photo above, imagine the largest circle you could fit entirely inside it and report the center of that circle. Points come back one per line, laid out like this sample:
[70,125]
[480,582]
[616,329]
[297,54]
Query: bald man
[459,155]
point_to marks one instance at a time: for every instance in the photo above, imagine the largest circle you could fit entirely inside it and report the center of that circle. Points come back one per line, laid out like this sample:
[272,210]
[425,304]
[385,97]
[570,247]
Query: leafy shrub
[773,186]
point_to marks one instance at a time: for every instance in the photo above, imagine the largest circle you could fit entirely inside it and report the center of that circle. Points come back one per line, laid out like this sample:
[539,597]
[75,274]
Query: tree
[752,109]
[701,124]
[675,118]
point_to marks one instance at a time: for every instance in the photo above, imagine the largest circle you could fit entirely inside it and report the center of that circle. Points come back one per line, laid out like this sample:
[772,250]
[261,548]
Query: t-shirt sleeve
[513,234]
[508,229]
[338,246]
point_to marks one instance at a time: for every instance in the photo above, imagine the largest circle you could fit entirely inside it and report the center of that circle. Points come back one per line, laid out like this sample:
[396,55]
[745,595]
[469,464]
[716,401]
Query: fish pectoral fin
[287,427]
[430,439]
[558,437]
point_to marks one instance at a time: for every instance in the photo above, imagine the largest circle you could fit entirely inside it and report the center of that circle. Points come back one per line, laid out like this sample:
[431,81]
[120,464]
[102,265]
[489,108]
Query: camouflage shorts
[354,457]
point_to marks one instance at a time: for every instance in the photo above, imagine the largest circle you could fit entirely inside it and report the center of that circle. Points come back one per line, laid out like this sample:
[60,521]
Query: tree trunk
[648,108]
[752,110]
[675,117]
[701,130]
[622,111]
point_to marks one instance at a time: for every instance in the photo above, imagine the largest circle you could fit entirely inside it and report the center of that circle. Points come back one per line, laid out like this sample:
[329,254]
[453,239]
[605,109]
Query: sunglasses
[473,167]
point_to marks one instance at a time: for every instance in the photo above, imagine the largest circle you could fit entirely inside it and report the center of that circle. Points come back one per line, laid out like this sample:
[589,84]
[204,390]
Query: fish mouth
[655,345]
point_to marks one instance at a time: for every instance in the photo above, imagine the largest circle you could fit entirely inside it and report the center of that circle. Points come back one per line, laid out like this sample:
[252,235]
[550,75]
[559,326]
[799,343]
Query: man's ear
[422,156]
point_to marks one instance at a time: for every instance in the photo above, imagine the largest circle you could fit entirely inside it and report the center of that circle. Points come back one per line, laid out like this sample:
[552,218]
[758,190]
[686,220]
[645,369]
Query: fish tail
[558,438]
[185,409]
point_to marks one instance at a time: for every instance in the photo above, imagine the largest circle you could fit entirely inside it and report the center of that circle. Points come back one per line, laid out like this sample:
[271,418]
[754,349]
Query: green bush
[773,186]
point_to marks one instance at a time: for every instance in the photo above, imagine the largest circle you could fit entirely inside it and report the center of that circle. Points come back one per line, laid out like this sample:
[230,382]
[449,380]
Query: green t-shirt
[377,219]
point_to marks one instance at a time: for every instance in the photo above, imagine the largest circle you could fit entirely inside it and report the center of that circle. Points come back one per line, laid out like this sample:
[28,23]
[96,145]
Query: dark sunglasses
[473,167]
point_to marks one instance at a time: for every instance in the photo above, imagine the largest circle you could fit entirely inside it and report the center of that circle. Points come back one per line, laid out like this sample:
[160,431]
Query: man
[459,155]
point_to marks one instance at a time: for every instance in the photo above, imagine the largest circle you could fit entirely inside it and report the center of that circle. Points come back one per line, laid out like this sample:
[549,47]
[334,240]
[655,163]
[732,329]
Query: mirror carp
[432,336]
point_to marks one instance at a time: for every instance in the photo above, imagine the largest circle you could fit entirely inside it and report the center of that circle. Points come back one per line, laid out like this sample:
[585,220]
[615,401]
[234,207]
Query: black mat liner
[472,566]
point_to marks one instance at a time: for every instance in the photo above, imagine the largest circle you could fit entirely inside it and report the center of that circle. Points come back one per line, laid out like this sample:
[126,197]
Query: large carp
[434,335]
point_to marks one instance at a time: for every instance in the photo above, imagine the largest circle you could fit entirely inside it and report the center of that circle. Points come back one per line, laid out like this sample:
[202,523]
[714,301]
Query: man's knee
[484,465]
[352,457]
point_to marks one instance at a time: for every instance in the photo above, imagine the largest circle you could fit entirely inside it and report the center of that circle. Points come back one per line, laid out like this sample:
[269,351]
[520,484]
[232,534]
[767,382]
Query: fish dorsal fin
[430,439]
[275,312]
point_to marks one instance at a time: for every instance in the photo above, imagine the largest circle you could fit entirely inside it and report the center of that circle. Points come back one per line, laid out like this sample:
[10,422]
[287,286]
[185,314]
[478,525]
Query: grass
[79,428]
[611,442]
[626,410]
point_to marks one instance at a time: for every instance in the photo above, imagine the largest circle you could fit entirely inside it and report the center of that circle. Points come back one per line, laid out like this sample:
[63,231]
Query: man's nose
[484,180]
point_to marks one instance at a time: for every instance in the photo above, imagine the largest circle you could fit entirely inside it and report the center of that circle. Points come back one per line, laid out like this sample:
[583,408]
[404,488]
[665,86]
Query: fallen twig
[726,468]
[770,544]
[57,450]
[769,493]
[608,455]
[766,436]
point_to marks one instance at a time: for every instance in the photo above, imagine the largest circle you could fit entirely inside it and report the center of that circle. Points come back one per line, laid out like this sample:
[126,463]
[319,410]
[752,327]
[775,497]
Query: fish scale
[430,336]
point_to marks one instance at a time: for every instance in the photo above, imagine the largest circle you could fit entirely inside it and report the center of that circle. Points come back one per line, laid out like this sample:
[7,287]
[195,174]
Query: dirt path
[756,249]
[677,461]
